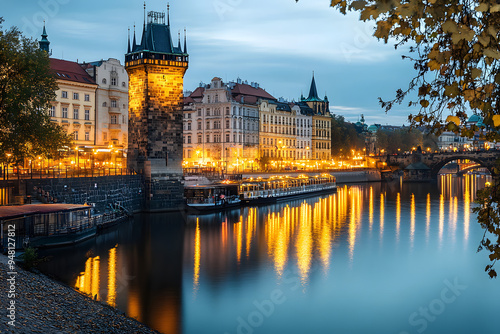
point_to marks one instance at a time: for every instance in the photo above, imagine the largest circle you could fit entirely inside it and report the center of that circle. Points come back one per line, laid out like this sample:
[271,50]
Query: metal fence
[53,173]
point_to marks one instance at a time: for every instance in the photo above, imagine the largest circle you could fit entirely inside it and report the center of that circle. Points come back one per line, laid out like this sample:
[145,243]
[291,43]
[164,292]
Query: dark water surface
[373,258]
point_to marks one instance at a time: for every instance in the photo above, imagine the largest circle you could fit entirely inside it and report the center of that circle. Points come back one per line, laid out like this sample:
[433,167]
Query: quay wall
[127,190]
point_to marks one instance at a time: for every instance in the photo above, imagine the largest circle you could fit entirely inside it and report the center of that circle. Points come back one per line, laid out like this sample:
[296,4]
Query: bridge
[436,161]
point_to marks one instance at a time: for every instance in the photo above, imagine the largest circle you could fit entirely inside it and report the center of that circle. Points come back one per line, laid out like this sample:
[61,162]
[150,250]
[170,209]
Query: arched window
[104,81]
[104,104]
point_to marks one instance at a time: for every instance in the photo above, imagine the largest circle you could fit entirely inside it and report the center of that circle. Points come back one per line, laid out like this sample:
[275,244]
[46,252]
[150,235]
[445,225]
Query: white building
[221,125]
[111,102]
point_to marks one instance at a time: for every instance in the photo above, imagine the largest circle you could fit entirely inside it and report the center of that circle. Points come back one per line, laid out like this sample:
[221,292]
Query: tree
[27,88]
[455,49]
[344,136]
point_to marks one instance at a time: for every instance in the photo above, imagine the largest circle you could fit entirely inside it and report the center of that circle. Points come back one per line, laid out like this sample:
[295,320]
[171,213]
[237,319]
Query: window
[104,81]
[52,111]
[208,125]
[189,140]
[200,138]
[123,119]
[105,136]
[228,124]
[87,135]
[227,138]
[216,98]
[104,104]
[64,94]
[208,139]
[123,84]
[199,125]
[227,110]
[113,104]
[75,135]
[114,119]
[87,115]
[189,115]
[199,112]
[87,97]
[189,126]
[208,111]
[64,112]
[76,96]
[75,113]
[113,82]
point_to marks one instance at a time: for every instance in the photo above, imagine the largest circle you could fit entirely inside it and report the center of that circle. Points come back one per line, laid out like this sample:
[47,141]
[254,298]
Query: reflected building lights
[428,218]
[398,216]
[467,208]
[197,256]
[370,214]
[382,215]
[112,277]
[412,221]
[441,218]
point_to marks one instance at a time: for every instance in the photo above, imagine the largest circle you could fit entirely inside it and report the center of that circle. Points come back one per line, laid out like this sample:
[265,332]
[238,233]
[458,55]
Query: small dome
[474,119]
[359,124]
[373,128]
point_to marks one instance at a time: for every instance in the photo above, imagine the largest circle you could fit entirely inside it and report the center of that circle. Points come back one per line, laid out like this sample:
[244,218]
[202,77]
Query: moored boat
[265,191]
[212,197]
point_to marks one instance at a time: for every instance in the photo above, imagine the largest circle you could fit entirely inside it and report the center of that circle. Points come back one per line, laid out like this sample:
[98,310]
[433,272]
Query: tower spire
[168,13]
[313,92]
[134,42]
[44,42]
[185,42]
[179,44]
[128,40]
[144,15]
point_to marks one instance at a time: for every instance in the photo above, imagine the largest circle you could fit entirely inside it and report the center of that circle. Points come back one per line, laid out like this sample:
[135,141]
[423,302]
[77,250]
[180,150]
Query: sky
[277,43]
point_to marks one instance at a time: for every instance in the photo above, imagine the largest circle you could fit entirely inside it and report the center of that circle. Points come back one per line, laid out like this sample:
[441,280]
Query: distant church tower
[44,42]
[156,76]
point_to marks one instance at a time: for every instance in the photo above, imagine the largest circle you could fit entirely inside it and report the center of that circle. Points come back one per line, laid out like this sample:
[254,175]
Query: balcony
[114,110]
[115,126]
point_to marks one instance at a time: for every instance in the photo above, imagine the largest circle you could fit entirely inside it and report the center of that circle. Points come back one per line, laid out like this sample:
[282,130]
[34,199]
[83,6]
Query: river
[372,258]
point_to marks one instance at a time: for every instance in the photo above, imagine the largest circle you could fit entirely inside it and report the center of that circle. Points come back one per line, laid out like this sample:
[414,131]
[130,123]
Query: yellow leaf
[476,72]
[424,103]
[453,119]
[496,120]
[450,26]
[357,5]
[490,52]
[483,7]
[433,65]
[495,8]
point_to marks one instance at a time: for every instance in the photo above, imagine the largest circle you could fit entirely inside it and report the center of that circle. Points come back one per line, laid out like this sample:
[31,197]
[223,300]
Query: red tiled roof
[8,212]
[249,99]
[198,92]
[70,71]
[249,90]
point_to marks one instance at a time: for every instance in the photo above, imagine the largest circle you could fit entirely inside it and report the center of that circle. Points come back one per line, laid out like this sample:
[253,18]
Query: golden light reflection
[304,244]
[238,227]
[352,231]
[197,256]
[382,215]
[398,216]
[251,224]
[88,281]
[428,217]
[95,277]
[441,219]
[412,220]
[454,220]
[370,214]
[467,198]
[112,277]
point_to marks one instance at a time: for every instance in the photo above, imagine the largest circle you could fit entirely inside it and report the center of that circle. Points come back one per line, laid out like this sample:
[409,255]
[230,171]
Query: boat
[212,197]
[279,188]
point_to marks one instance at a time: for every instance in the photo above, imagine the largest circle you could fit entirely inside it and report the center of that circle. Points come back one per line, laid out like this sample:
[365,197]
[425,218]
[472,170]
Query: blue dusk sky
[277,43]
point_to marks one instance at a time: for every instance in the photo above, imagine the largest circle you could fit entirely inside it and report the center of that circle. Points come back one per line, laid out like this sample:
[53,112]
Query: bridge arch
[436,167]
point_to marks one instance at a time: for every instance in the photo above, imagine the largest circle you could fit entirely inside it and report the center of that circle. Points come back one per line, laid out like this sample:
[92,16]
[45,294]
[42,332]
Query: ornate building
[221,125]
[111,103]
[321,129]
[156,69]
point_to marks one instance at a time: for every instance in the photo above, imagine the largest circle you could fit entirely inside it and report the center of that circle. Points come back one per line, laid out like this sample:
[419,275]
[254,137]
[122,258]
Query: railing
[54,173]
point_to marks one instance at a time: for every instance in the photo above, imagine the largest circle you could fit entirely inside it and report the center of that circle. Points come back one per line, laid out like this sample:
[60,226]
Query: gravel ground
[45,306]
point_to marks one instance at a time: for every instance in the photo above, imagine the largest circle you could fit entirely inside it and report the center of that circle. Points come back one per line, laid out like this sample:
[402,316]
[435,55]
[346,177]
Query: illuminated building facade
[111,103]
[74,106]
[156,71]
[321,124]
[221,125]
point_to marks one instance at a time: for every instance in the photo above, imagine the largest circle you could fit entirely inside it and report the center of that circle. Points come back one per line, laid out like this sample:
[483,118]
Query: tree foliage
[345,136]
[454,46]
[26,90]
[404,139]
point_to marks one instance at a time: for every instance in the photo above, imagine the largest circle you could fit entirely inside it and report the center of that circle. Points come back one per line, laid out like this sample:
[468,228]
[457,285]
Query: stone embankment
[45,306]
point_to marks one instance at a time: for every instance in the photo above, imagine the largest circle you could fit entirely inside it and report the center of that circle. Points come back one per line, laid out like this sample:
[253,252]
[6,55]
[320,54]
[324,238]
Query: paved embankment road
[45,306]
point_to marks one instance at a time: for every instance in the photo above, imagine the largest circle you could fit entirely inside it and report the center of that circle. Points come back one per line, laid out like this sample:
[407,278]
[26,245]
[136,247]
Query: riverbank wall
[38,304]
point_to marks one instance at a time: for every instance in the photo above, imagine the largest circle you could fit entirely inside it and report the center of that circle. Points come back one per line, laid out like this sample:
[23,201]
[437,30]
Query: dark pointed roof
[313,92]
[44,42]
[157,38]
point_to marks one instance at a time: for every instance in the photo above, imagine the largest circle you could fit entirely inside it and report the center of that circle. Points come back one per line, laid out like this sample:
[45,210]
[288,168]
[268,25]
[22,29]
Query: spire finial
[144,14]
[168,13]
[185,41]
[128,40]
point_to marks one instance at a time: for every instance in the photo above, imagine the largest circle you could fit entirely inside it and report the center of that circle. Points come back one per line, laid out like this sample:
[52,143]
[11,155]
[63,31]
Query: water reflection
[148,267]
